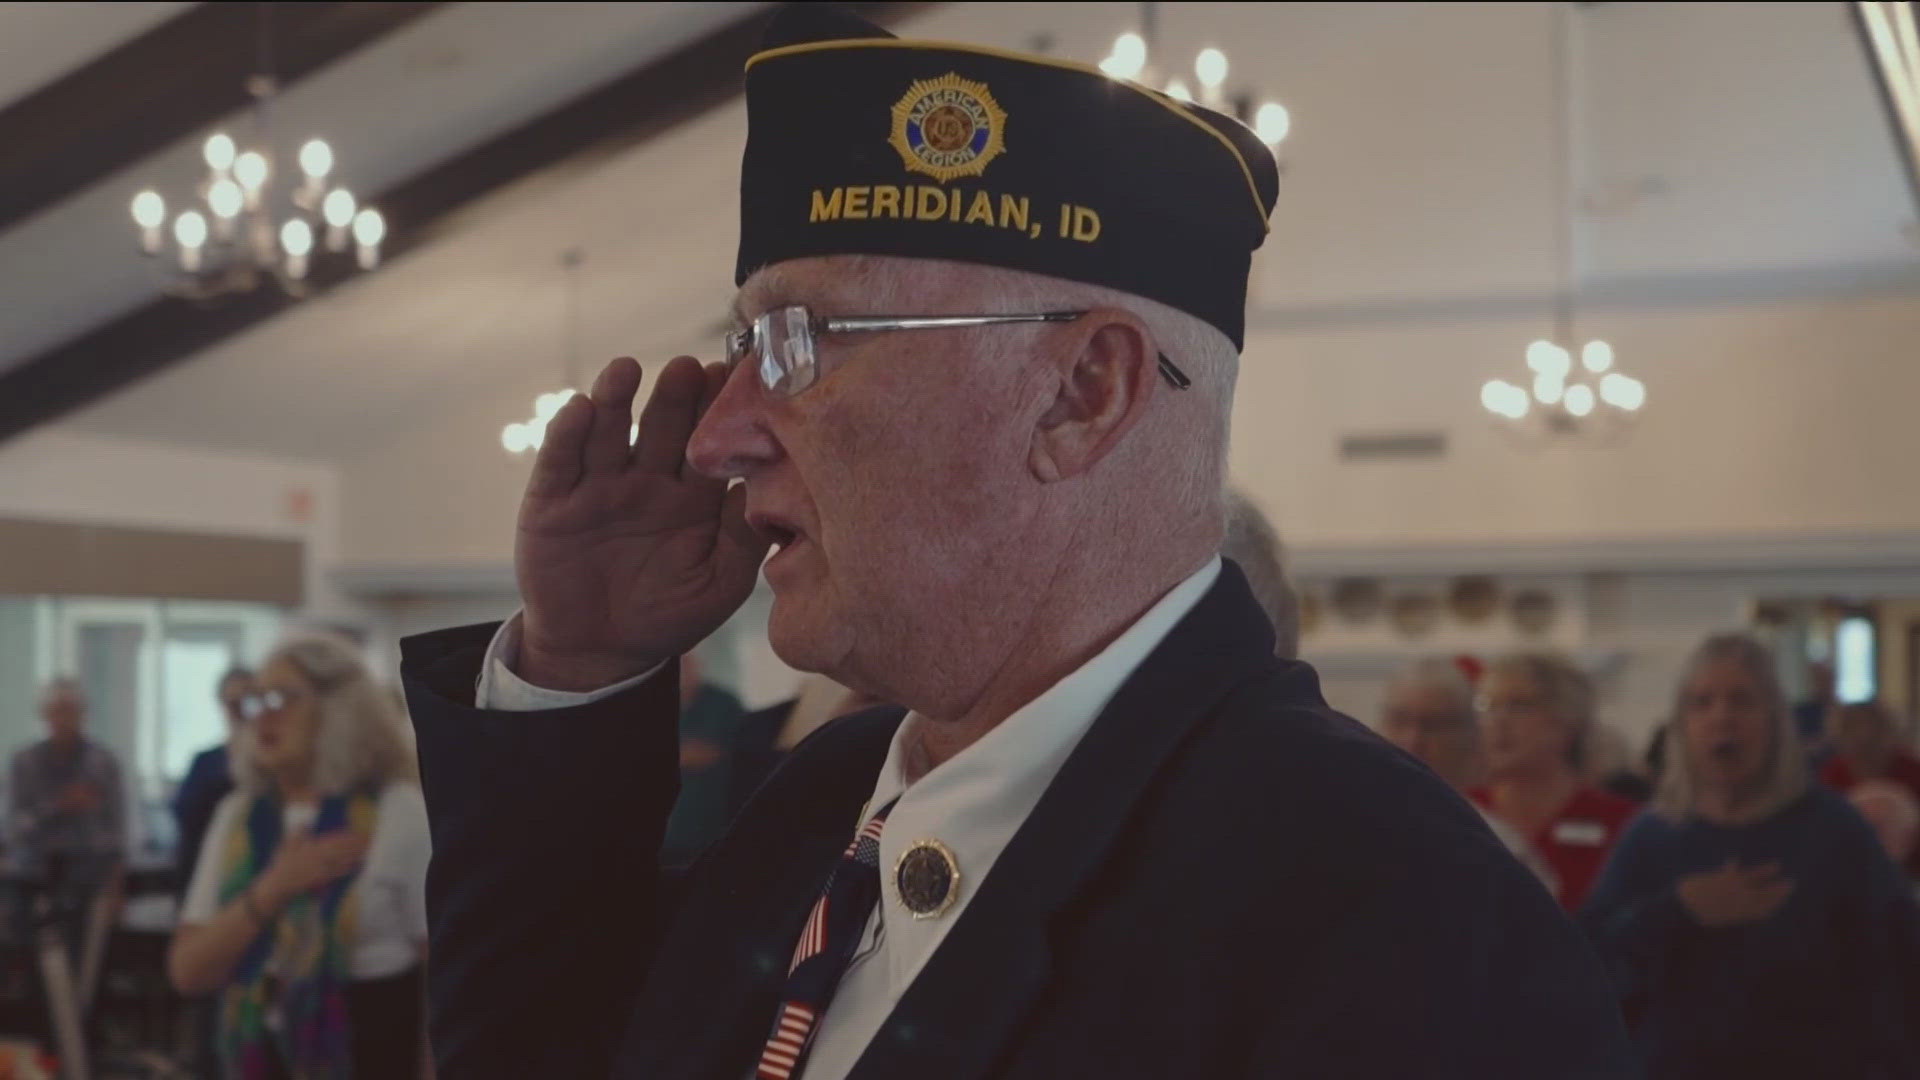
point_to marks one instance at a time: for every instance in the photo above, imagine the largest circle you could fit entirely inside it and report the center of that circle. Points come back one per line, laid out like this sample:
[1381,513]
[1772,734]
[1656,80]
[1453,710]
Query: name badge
[1580,833]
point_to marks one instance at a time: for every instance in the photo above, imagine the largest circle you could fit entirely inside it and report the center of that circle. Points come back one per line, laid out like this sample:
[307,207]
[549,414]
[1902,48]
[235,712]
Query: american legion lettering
[925,202]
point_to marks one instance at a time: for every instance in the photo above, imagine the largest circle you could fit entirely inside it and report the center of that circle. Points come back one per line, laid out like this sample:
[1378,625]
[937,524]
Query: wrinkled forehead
[858,285]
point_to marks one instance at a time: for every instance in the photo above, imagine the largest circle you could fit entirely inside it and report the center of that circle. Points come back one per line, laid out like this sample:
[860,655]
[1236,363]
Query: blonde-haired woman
[1537,713]
[1752,921]
[307,913]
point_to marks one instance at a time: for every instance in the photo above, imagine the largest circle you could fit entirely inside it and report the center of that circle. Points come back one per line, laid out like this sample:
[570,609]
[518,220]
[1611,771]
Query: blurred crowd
[1750,885]
[1749,881]
[299,879]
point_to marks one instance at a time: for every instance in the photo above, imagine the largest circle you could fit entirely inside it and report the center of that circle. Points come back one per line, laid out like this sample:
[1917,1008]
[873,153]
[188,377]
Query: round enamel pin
[927,879]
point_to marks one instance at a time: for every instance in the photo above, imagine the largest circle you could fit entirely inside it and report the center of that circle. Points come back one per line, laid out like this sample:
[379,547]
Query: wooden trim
[50,558]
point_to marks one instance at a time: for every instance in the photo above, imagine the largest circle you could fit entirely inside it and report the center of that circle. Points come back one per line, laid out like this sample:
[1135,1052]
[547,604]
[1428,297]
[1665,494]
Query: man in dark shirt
[209,778]
[66,800]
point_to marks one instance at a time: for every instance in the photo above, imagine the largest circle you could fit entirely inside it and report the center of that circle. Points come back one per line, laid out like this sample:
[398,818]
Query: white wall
[1763,417]
[442,493]
[53,474]
[1767,419]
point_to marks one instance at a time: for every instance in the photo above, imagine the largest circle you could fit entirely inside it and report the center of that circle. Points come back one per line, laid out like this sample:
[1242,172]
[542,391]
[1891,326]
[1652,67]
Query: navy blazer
[1226,879]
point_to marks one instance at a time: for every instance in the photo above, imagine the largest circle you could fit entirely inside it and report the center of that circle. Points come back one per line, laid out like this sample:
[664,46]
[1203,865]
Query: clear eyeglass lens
[254,706]
[787,358]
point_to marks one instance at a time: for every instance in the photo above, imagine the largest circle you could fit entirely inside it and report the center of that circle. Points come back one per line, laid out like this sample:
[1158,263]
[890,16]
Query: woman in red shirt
[1536,710]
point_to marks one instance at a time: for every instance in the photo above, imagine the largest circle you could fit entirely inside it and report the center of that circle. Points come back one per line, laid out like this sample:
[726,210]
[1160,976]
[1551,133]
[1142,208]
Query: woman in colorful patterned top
[306,914]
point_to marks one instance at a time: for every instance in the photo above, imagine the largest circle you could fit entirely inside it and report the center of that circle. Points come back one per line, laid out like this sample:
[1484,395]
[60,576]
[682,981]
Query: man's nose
[732,439]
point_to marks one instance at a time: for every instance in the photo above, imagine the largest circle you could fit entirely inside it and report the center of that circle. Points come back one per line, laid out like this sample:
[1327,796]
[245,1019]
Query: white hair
[360,738]
[1252,543]
[1195,459]
[1787,768]
[1568,695]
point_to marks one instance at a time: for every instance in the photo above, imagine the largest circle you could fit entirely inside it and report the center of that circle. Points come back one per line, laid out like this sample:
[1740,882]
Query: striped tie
[826,944]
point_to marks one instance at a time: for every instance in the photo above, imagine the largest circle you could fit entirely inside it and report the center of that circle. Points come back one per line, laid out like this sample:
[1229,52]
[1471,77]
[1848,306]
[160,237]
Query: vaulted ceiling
[1723,152]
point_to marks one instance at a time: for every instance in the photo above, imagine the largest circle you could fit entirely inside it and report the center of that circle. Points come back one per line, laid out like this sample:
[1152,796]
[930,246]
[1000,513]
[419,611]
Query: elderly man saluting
[989,315]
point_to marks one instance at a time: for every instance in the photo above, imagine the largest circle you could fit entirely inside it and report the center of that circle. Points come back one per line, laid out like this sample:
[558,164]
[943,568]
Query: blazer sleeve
[544,898]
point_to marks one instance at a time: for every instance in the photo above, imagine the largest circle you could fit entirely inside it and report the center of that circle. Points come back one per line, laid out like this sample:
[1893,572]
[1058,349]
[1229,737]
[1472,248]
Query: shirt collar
[974,802]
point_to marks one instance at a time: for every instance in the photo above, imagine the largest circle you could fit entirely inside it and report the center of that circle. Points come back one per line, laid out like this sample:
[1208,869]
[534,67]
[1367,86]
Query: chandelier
[1560,399]
[250,220]
[1131,59]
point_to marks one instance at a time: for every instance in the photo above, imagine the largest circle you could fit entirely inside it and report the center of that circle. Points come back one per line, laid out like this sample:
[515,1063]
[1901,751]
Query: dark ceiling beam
[630,109]
[164,85]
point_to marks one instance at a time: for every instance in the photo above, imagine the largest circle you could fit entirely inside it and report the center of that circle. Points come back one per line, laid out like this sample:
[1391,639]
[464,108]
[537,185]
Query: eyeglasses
[254,706]
[784,341]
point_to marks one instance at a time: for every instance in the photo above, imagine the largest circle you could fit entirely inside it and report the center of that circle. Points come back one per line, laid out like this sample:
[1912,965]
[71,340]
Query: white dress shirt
[973,803]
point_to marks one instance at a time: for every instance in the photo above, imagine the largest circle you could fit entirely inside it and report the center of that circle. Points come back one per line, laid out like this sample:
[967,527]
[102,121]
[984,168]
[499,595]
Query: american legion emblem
[948,127]
[927,879]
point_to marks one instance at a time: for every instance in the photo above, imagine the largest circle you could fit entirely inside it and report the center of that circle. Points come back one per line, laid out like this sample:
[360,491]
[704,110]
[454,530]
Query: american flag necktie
[833,929]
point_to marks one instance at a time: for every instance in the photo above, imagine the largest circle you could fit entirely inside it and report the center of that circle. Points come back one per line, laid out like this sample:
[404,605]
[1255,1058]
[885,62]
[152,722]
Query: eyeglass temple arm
[1168,369]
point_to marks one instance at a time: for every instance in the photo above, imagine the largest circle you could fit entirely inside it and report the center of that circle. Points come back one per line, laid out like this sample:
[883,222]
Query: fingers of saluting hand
[557,465]
[589,435]
[668,418]
[608,440]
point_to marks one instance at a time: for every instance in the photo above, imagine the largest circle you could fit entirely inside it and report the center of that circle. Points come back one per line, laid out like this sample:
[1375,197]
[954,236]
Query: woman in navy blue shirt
[1754,925]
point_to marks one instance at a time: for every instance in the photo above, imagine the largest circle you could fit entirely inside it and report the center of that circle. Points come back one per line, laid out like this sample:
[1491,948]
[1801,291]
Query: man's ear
[1106,372]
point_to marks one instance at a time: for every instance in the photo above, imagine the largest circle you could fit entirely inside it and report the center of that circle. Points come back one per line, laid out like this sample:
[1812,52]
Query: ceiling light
[1211,68]
[236,251]
[1272,123]
[219,151]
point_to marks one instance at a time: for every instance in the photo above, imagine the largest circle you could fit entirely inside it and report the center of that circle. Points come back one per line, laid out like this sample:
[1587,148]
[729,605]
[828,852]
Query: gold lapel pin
[926,878]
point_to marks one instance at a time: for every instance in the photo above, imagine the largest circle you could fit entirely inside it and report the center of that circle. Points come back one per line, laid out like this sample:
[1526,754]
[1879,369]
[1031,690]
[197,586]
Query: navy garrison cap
[863,143]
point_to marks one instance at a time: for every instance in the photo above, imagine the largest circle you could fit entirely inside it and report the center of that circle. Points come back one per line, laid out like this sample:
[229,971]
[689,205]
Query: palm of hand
[614,559]
[625,557]
[1733,895]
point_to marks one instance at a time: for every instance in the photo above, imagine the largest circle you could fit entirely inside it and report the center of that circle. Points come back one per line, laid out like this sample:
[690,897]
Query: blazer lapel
[967,1001]
[758,917]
